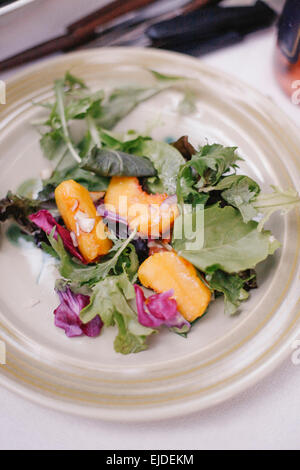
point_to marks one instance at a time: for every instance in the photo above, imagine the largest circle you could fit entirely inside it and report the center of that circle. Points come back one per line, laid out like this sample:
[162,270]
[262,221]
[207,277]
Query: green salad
[145,234]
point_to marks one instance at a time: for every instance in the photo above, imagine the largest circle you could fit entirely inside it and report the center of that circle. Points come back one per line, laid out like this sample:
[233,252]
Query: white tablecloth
[266,416]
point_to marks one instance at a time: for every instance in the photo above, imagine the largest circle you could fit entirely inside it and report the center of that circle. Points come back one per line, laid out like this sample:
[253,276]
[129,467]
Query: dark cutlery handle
[199,48]
[209,21]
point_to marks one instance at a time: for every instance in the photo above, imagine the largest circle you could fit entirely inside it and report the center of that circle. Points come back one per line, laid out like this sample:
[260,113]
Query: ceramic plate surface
[222,355]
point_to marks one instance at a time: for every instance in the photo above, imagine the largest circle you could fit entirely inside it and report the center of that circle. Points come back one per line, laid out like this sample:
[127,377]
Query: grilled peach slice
[167,270]
[79,214]
[150,213]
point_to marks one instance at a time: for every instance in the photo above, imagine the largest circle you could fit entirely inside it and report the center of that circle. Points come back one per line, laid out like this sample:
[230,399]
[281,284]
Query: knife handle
[210,21]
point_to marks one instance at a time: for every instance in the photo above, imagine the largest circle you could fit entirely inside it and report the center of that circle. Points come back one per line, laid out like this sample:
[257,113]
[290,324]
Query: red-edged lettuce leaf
[44,220]
[158,310]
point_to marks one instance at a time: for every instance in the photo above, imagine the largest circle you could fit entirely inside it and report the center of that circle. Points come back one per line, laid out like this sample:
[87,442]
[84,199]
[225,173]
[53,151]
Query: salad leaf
[67,315]
[77,272]
[110,299]
[158,310]
[185,147]
[232,286]
[86,178]
[19,208]
[239,191]
[127,342]
[167,162]
[205,168]
[15,234]
[129,142]
[212,161]
[29,188]
[267,204]
[109,295]
[229,243]
[122,101]
[85,104]
[53,144]
[73,82]
[165,77]
[44,220]
[106,162]
[59,91]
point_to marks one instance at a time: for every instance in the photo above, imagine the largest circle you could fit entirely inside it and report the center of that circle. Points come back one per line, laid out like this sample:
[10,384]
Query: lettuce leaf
[239,191]
[76,272]
[109,299]
[229,243]
[279,200]
[232,286]
[167,161]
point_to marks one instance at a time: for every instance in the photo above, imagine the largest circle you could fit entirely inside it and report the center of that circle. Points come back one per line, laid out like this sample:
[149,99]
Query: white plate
[222,355]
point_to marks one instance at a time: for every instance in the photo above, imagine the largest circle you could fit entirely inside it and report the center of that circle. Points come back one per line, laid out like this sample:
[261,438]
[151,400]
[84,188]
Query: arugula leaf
[79,273]
[71,102]
[121,102]
[229,243]
[165,77]
[106,162]
[61,114]
[81,105]
[267,204]
[53,144]
[205,168]
[232,286]
[212,161]
[109,299]
[130,142]
[73,82]
[187,191]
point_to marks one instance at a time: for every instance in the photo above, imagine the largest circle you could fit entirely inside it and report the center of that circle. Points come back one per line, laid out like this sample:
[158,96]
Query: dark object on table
[85,30]
[213,23]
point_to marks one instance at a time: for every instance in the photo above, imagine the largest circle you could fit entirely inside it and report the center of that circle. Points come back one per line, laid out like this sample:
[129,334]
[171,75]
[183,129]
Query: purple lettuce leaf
[67,315]
[44,220]
[158,310]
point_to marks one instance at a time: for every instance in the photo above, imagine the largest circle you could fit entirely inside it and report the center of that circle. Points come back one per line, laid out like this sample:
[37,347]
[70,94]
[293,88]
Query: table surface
[264,417]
